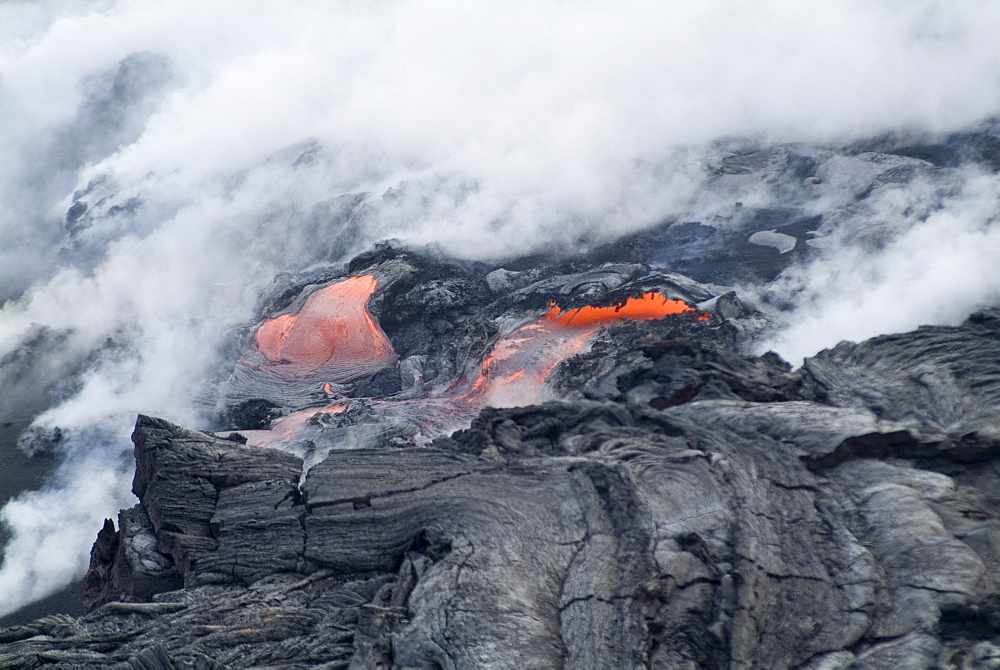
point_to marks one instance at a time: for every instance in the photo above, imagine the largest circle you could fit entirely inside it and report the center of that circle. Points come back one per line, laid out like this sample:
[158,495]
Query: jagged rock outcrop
[800,529]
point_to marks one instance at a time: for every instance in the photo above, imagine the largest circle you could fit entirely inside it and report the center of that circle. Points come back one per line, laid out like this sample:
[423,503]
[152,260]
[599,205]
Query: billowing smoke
[164,160]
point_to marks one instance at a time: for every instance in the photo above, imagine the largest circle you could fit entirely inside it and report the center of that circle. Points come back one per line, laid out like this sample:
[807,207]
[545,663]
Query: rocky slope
[649,496]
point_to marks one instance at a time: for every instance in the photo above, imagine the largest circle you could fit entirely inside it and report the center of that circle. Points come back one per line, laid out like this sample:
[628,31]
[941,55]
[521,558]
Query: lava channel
[515,371]
[332,337]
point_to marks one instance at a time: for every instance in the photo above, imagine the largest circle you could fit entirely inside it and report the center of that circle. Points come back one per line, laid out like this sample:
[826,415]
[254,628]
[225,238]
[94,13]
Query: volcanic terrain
[570,461]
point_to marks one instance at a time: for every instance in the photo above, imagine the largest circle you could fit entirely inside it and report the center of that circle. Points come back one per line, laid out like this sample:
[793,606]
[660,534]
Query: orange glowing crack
[333,335]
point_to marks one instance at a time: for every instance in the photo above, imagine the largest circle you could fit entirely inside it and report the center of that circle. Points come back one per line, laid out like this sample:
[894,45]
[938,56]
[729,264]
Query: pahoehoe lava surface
[659,499]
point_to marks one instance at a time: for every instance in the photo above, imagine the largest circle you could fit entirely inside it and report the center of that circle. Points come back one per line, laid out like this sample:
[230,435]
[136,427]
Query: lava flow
[288,426]
[515,371]
[333,336]
[652,305]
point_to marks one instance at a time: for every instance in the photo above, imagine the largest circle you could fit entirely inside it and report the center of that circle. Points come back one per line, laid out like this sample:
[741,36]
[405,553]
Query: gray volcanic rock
[204,501]
[940,381]
[837,519]
[128,564]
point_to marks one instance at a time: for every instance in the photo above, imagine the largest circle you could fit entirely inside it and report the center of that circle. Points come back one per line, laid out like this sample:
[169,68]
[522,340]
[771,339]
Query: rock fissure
[365,501]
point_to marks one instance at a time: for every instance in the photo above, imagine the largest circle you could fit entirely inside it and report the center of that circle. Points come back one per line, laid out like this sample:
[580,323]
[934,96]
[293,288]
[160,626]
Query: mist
[163,161]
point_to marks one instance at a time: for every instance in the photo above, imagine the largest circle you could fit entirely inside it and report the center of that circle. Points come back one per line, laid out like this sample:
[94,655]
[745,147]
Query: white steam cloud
[163,159]
[936,268]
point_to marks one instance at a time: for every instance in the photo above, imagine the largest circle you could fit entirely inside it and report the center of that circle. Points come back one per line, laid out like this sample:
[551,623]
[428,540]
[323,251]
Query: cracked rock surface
[812,529]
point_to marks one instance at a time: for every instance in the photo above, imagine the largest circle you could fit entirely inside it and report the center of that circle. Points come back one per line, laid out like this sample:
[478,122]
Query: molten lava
[652,305]
[515,371]
[333,336]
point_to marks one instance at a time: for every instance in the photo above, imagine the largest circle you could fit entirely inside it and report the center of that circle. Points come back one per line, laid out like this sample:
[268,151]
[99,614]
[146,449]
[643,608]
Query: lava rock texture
[845,520]
[667,502]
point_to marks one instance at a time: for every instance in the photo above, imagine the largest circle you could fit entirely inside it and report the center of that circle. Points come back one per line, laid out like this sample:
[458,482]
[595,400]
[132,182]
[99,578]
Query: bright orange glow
[333,335]
[650,306]
[515,371]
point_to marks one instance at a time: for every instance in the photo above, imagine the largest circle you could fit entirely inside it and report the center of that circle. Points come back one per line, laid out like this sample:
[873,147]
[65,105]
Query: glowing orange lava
[332,336]
[515,371]
[651,305]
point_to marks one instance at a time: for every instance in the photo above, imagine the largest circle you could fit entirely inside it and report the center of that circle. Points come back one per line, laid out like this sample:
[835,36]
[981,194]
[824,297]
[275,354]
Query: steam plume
[163,160]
